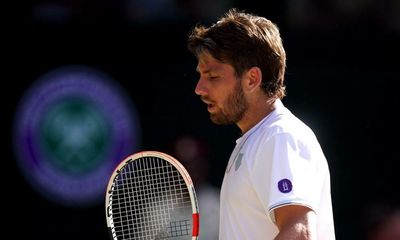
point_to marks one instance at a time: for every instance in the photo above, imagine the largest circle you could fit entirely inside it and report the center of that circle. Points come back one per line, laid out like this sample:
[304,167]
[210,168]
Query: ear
[252,79]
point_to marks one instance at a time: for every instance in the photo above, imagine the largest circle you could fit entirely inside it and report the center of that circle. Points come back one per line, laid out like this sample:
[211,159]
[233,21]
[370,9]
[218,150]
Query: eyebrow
[205,72]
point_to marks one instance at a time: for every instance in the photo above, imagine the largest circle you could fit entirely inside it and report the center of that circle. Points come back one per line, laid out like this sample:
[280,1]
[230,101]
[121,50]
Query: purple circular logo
[72,128]
[285,185]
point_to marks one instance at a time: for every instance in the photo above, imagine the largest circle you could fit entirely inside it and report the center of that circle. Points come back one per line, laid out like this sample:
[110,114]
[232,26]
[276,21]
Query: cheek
[224,100]
[220,92]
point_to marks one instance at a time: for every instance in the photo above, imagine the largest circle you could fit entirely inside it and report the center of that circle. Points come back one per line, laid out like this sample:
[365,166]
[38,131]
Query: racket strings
[150,200]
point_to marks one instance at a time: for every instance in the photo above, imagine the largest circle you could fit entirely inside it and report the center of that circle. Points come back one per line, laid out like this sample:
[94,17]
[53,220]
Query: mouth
[210,104]
[210,107]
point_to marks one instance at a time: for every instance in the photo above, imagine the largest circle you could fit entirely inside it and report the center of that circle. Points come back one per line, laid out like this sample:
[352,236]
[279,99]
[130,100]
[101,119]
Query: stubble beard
[234,108]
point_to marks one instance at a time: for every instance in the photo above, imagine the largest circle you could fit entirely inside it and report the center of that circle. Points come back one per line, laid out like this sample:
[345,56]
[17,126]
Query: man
[277,182]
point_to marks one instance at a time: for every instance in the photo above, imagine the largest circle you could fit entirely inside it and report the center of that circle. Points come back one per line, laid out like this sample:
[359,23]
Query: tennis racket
[150,195]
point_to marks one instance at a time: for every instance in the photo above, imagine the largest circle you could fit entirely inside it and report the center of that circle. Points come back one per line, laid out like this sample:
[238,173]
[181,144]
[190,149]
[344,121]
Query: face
[221,90]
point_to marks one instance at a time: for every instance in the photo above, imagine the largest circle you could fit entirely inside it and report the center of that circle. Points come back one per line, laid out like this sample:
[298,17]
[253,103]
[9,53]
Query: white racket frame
[177,165]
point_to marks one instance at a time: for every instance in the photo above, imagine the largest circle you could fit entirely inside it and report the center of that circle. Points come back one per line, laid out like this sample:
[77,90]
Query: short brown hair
[244,40]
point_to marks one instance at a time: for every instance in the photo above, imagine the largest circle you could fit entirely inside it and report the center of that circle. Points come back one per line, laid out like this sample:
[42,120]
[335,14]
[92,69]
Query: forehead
[207,63]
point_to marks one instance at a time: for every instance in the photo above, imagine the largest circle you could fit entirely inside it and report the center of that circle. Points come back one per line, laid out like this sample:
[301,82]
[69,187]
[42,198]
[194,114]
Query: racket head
[150,195]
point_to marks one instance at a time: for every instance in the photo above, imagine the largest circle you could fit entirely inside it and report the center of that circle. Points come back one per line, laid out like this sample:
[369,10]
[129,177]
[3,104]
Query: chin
[220,120]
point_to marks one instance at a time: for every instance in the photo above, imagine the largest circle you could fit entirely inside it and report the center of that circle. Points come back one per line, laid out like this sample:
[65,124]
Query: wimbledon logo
[71,130]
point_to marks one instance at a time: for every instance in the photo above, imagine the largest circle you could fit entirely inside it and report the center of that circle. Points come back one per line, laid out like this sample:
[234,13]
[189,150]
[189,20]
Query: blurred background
[95,81]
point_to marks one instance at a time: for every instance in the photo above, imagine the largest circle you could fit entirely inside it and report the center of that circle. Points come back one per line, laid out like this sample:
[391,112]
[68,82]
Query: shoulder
[283,124]
[284,131]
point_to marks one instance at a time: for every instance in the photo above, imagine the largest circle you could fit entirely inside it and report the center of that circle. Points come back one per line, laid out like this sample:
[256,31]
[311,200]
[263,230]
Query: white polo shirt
[278,162]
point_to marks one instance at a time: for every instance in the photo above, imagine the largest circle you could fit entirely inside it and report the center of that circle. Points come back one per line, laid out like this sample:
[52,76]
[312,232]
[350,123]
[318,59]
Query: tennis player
[277,181]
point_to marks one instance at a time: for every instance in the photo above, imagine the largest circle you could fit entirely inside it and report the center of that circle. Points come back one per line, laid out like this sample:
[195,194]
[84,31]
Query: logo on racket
[71,130]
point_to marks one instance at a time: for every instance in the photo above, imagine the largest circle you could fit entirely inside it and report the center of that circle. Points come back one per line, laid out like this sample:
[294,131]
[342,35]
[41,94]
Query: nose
[200,87]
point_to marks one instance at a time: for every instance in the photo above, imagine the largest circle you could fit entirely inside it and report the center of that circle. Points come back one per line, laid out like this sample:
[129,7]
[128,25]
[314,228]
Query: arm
[295,222]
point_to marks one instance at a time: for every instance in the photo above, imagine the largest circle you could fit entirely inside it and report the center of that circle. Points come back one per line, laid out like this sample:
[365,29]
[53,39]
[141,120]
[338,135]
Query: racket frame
[185,175]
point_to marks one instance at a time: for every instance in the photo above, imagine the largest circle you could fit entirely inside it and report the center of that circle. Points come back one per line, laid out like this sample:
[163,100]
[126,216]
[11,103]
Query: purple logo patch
[285,185]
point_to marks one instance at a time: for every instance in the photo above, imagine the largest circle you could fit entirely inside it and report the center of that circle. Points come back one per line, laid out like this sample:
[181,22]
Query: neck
[257,111]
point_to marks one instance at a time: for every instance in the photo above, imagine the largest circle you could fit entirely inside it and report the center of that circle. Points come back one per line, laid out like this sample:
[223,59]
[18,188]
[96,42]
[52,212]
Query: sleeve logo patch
[285,185]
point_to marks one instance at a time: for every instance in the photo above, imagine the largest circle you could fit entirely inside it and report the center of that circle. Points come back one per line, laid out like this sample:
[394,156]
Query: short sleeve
[285,173]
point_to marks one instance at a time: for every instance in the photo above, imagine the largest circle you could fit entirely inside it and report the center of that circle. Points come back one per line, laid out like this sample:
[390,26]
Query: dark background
[343,63]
